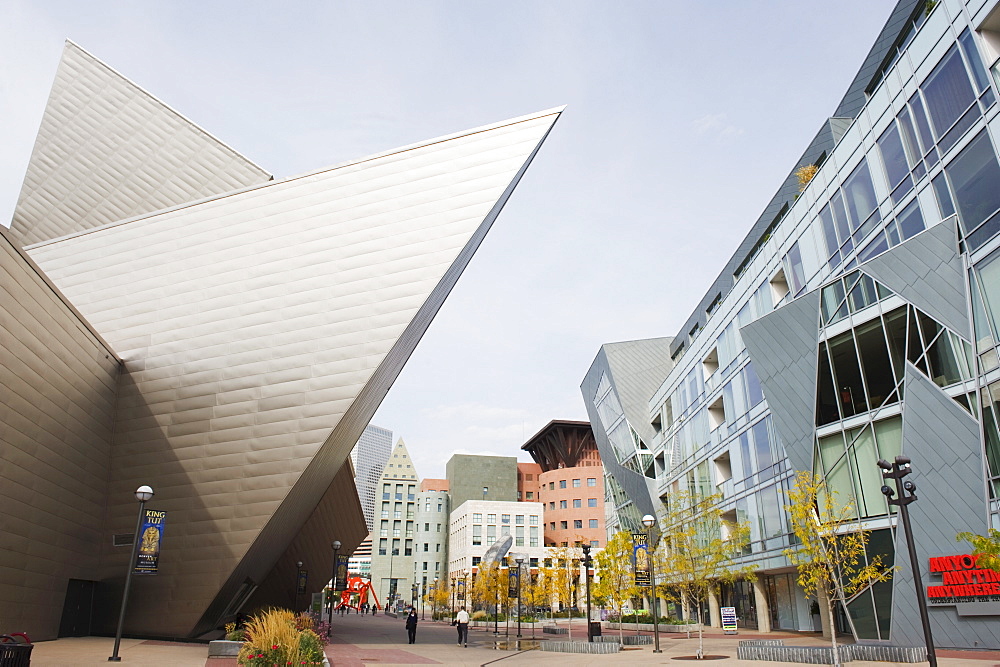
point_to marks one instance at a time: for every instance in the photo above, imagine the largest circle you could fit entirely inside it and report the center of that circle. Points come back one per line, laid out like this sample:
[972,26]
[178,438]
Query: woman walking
[411,626]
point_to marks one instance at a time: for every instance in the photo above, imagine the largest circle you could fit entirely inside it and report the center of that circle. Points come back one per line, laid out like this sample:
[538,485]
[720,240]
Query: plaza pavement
[381,640]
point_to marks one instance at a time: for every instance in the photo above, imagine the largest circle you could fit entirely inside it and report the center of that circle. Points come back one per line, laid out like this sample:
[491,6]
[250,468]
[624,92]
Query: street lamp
[413,595]
[434,601]
[142,494]
[486,490]
[897,470]
[298,574]
[519,560]
[586,574]
[423,599]
[333,586]
[648,521]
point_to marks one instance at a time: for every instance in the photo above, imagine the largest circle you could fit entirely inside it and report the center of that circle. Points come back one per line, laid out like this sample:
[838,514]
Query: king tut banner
[150,536]
[340,582]
[640,559]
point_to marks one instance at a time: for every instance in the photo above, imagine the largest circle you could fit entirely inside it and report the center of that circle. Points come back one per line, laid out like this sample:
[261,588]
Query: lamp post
[142,494]
[586,574]
[423,600]
[298,573]
[333,585]
[434,603]
[648,521]
[897,470]
[486,490]
[519,560]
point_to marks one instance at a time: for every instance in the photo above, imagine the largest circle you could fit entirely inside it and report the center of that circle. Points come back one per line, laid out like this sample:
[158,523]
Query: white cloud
[716,126]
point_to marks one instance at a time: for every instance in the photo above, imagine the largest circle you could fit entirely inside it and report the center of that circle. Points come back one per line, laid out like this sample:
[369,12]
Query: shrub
[478,615]
[273,638]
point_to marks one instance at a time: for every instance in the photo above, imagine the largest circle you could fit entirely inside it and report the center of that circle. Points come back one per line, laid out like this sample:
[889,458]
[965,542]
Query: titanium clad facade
[856,322]
[57,406]
[107,150]
[258,330]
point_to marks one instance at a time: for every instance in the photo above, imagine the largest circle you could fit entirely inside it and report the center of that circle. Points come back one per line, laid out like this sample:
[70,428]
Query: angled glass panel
[910,221]
[975,179]
[831,300]
[847,374]
[875,362]
[895,332]
[947,91]
[859,195]
[890,147]
[826,393]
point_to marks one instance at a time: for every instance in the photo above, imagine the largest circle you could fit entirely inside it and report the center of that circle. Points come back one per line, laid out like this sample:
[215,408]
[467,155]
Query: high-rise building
[392,560]
[369,457]
[570,484]
[180,319]
[856,322]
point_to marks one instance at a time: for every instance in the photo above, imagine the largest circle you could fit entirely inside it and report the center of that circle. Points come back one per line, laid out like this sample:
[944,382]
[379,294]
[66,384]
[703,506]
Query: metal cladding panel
[260,331]
[942,439]
[783,347]
[633,484]
[56,415]
[108,150]
[638,368]
[927,271]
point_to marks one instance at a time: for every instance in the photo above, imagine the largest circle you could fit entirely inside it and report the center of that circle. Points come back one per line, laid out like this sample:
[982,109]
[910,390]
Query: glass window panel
[975,179]
[829,231]
[976,63]
[762,448]
[928,327]
[952,136]
[944,365]
[990,396]
[910,221]
[847,373]
[832,297]
[902,189]
[839,482]
[890,147]
[793,269]
[943,196]
[748,467]
[909,136]
[840,219]
[862,612]
[772,511]
[914,347]
[859,195]
[892,231]
[947,91]
[831,451]
[984,336]
[863,294]
[889,437]
[754,392]
[868,474]
[875,247]
[826,393]
[895,330]
[875,362]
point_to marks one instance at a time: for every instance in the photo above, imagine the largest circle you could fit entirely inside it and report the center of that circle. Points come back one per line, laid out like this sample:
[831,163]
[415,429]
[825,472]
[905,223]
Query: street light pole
[333,587]
[519,560]
[648,521]
[586,574]
[142,494]
[298,573]
[897,470]
[423,600]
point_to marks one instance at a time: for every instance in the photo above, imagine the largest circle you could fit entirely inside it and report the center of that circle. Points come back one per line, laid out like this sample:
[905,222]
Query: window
[437,547]
[427,546]
[562,504]
[552,486]
[578,523]
[552,525]
[505,518]
[577,503]
[552,505]
[477,517]
[593,523]
[533,519]
[975,181]
[427,506]
[519,518]
[576,483]
[793,269]
[564,525]
[491,533]
[425,566]
[439,507]
[531,495]
[476,560]
[591,502]
[562,484]
[594,543]
[948,93]
[491,518]
[591,481]
[439,528]
[477,535]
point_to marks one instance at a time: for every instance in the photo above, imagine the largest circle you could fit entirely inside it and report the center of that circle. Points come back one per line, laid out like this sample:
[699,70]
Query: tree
[698,551]
[617,580]
[438,597]
[831,552]
[986,548]
[489,590]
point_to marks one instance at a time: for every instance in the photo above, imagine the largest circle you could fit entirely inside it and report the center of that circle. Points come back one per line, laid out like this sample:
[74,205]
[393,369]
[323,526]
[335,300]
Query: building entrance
[78,609]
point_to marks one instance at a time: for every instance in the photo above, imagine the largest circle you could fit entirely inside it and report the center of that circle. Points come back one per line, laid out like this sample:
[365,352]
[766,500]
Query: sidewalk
[381,640]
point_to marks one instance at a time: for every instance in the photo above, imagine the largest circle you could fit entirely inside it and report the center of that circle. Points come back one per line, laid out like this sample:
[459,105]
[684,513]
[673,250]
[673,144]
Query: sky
[682,120]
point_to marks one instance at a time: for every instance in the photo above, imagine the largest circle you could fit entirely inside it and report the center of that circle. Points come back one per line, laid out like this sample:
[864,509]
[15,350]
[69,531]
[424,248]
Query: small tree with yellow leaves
[986,548]
[617,580]
[831,552]
[804,174]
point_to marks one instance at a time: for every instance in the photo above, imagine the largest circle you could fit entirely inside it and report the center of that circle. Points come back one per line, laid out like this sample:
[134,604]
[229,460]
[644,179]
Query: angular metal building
[180,319]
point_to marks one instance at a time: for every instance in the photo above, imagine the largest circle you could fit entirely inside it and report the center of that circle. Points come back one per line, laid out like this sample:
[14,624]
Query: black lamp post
[333,586]
[586,574]
[897,470]
[298,574]
[649,521]
[142,494]
[519,560]
[434,603]
[423,600]
[413,595]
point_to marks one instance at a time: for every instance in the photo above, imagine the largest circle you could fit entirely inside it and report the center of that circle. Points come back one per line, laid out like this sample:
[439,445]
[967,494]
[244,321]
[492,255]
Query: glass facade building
[856,322]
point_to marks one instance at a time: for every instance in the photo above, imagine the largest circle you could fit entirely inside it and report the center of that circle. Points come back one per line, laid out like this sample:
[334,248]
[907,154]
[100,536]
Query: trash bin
[15,655]
[595,628]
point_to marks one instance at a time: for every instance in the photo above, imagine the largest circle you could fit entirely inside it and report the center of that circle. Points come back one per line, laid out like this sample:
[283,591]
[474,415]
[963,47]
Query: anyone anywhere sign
[150,536]
[962,581]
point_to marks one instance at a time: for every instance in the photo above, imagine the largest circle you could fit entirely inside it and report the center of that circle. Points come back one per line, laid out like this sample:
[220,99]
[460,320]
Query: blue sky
[682,120]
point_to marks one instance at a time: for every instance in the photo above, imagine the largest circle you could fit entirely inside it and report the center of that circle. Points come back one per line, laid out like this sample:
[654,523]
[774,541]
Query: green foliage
[273,638]
[831,552]
[985,547]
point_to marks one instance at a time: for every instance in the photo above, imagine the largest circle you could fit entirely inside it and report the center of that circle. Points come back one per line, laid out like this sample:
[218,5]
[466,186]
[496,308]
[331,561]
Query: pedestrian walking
[411,626]
[462,618]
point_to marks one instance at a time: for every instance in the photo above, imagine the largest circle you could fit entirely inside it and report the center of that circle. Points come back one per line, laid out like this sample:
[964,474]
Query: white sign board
[728,619]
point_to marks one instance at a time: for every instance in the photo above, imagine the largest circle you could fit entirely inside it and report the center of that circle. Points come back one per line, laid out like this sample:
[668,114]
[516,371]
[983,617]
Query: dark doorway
[78,610]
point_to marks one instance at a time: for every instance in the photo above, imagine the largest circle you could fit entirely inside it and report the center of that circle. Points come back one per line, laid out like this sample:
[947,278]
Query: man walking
[463,627]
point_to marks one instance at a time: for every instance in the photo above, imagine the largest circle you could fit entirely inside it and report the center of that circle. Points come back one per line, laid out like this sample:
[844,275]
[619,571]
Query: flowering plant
[274,638]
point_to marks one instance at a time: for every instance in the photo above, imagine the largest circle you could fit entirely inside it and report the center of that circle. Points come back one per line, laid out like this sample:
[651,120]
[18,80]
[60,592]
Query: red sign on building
[962,580]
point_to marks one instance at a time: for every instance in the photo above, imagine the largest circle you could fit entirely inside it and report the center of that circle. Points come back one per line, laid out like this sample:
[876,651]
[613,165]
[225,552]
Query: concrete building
[527,481]
[175,316]
[477,524]
[430,557]
[428,484]
[474,477]
[392,561]
[360,562]
[368,459]
[570,484]
[853,323]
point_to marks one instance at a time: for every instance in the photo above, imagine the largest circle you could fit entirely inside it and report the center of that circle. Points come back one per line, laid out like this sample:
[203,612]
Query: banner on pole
[640,560]
[150,536]
[340,582]
[302,579]
[512,576]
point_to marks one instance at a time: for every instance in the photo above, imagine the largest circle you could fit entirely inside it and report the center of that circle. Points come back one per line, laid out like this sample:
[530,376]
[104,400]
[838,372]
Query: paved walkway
[381,640]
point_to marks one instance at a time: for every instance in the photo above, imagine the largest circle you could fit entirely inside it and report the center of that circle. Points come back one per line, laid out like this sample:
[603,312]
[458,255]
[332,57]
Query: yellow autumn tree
[489,590]
[985,547]
[617,580]
[831,552]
